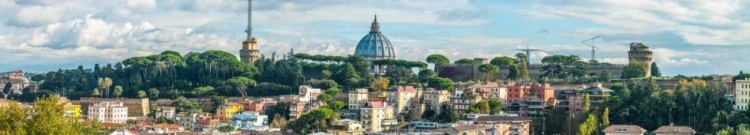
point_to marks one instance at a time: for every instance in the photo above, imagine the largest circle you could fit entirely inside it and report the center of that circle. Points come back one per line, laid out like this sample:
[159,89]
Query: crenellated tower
[641,53]
[249,51]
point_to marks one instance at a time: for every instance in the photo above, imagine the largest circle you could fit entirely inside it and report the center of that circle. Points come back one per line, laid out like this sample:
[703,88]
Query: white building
[377,116]
[742,94]
[167,112]
[307,93]
[108,111]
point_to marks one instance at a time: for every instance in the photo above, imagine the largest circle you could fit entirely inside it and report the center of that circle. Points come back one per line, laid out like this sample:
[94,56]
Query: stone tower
[641,53]
[249,51]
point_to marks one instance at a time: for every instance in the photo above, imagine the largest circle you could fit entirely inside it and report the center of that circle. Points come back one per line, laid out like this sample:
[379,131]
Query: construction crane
[593,48]
[529,50]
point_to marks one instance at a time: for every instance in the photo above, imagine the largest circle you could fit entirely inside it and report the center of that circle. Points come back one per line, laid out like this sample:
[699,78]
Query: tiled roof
[675,129]
[167,126]
[377,105]
[624,129]
[460,128]
[500,118]
[409,89]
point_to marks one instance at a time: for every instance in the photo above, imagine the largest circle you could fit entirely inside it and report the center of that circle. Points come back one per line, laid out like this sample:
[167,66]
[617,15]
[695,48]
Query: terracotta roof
[624,129]
[377,105]
[675,129]
[409,89]
[461,128]
[500,118]
[167,126]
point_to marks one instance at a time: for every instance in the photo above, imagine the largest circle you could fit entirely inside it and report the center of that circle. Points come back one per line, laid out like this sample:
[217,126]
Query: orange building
[519,91]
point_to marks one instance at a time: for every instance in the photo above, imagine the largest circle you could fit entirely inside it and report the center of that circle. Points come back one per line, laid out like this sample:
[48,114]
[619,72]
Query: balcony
[389,122]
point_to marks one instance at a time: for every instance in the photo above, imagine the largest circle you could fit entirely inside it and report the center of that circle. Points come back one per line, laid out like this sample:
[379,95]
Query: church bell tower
[249,51]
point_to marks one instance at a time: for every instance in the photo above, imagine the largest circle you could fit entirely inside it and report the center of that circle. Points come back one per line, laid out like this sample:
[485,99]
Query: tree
[334,91]
[241,84]
[381,84]
[503,61]
[589,126]
[605,117]
[524,71]
[324,97]
[464,61]
[425,75]
[586,103]
[7,88]
[13,119]
[161,119]
[634,70]
[326,74]
[447,116]
[95,92]
[226,129]
[337,105]
[655,70]
[437,59]
[495,106]
[104,84]
[488,70]
[429,114]
[142,94]
[118,91]
[153,93]
[201,93]
[512,72]
[441,84]
[48,120]
[605,76]
[185,105]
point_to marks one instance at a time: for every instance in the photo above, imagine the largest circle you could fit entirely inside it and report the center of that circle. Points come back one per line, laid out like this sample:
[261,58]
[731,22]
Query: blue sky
[691,37]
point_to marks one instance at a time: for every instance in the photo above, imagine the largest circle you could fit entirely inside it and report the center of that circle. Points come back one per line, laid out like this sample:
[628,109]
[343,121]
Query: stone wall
[465,72]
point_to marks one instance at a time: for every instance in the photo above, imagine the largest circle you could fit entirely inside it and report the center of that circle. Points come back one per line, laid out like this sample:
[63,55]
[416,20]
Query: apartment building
[377,116]
[108,111]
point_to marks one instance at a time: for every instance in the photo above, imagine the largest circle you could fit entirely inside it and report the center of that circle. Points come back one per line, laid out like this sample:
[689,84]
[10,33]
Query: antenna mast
[249,30]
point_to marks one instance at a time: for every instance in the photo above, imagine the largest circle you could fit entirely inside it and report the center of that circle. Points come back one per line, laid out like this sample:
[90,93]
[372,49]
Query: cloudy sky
[691,37]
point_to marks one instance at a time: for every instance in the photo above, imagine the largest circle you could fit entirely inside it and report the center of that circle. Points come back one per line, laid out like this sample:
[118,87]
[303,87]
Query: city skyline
[687,37]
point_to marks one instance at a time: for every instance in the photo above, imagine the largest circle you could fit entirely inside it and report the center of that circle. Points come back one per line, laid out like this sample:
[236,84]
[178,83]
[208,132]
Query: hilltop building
[742,96]
[375,46]
[249,51]
[641,53]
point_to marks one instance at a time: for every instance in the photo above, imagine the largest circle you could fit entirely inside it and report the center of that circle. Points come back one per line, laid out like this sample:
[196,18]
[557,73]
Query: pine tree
[605,117]
[524,74]
[586,103]
[655,70]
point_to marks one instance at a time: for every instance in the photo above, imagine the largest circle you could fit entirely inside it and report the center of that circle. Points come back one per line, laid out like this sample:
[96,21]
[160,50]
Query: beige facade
[136,107]
[400,97]
[505,125]
[357,99]
[377,116]
[742,96]
[461,102]
[491,90]
[435,98]
[624,130]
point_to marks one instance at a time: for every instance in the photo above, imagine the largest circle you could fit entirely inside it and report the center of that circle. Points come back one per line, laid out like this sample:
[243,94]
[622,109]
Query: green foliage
[323,84]
[513,72]
[153,93]
[605,76]
[381,84]
[319,58]
[441,83]
[182,104]
[447,116]
[523,73]
[142,94]
[118,91]
[95,92]
[589,126]
[437,59]
[226,129]
[605,117]
[280,108]
[488,70]
[425,75]
[464,61]
[334,91]
[634,70]
[324,97]
[586,103]
[429,114]
[655,70]
[317,119]
[241,83]
[399,63]
[503,61]
[270,89]
[48,119]
[693,103]
[400,75]
[486,107]
[740,76]
[561,67]
[337,105]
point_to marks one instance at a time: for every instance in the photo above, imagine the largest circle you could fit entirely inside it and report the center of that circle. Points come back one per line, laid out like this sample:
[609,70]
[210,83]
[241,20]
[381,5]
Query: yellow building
[227,111]
[72,110]
[377,116]
[346,127]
